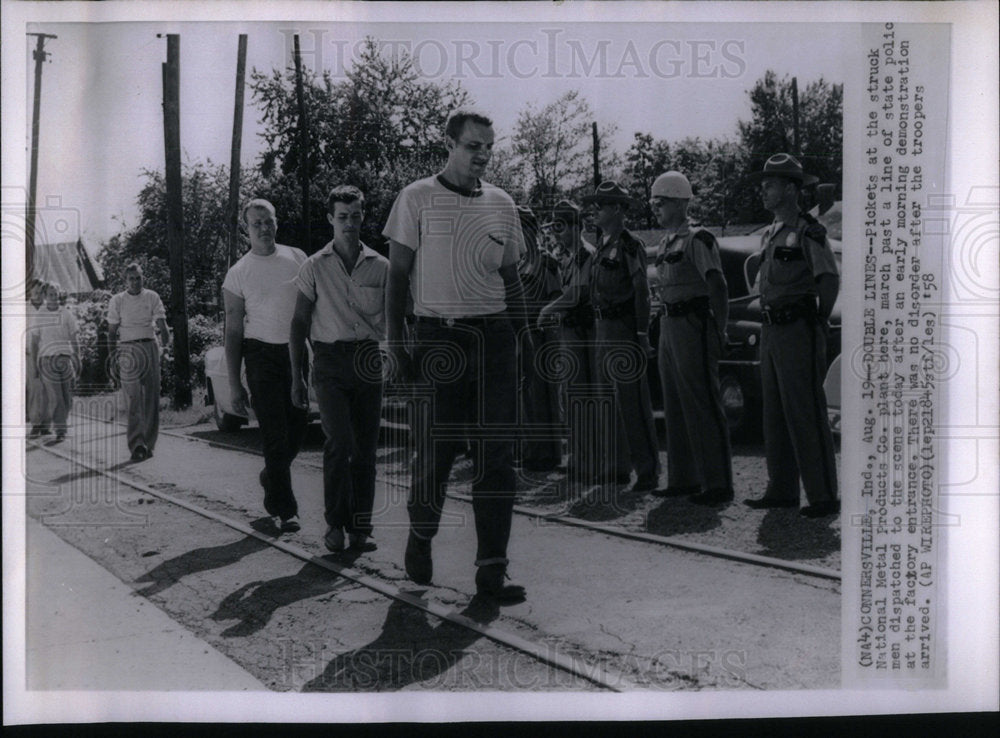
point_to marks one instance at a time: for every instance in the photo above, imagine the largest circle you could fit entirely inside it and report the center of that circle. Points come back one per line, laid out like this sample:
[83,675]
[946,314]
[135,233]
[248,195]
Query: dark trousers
[698,452]
[282,425]
[623,365]
[797,437]
[347,378]
[467,390]
[541,413]
[598,450]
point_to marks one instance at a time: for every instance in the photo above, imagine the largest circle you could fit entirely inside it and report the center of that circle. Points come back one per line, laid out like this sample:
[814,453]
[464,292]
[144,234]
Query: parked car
[221,399]
[739,367]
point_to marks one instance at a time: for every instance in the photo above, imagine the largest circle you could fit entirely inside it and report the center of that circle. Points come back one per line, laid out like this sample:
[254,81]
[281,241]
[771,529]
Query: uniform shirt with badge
[683,260]
[346,307]
[615,263]
[793,256]
[460,240]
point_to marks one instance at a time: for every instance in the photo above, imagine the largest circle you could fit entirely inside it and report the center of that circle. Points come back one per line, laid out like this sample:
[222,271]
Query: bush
[203,333]
[91,319]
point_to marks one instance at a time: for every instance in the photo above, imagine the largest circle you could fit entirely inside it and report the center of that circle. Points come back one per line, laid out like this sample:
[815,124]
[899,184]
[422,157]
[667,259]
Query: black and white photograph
[391,362]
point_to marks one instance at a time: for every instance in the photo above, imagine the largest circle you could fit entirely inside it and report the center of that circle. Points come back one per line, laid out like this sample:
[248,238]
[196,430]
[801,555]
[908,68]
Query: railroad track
[569,520]
[544,653]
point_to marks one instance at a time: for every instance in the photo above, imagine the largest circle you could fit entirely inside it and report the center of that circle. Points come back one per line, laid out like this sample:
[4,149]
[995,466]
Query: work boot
[417,559]
[490,585]
[712,497]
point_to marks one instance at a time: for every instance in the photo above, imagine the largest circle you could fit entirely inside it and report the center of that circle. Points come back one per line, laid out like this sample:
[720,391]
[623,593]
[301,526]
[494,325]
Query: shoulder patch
[705,237]
[816,232]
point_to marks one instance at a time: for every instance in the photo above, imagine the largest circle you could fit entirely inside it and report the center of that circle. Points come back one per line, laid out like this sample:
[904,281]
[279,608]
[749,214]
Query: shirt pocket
[788,266]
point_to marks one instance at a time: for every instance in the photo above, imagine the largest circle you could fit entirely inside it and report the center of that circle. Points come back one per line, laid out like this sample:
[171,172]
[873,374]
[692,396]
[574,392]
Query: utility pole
[303,148]
[234,159]
[597,154]
[39,56]
[175,219]
[795,117]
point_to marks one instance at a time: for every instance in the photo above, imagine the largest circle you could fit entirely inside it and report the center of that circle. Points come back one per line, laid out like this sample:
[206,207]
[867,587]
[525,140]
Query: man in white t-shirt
[36,402]
[259,292]
[134,316]
[454,245]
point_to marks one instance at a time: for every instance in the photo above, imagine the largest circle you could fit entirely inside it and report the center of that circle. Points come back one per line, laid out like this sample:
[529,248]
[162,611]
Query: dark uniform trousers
[467,390]
[541,413]
[698,452]
[282,425]
[622,365]
[347,378]
[598,449]
[797,436]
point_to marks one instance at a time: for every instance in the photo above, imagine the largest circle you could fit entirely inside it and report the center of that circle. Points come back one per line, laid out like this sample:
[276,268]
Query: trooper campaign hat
[672,184]
[608,191]
[784,165]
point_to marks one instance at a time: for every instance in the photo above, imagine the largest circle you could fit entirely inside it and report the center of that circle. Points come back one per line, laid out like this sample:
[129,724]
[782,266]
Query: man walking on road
[135,316]
[37,411]
[57,352]
[798,280]
[619,292]
[341,306]
[692,339]
[259,292]
[454,244]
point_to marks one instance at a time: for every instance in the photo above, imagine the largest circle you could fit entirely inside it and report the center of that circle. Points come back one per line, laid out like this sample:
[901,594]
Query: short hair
[133,267]
[458,118]
[51,286]
[346,194]
[258,202]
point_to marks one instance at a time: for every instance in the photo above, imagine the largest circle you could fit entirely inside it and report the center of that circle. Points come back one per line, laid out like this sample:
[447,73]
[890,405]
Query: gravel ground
[781,533]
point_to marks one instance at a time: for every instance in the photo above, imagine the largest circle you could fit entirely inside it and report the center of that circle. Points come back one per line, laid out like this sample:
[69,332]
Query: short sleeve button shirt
[347,307]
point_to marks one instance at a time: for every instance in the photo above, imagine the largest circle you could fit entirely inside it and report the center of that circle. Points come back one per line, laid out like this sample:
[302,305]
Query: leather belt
[478,321]
[789,313]
[139,340]
[683,307]
[613,312]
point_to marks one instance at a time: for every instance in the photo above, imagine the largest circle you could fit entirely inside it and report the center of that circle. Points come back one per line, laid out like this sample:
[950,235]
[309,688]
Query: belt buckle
[450,322]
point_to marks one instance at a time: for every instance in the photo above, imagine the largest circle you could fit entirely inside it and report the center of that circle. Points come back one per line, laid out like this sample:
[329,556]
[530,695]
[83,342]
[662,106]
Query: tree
[771,129]
[711,167]
[205,193]
[552,148]
[380,129]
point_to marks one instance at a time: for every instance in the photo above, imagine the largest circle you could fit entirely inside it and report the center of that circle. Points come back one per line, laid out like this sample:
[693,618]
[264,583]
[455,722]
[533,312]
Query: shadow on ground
[171,571]
[407,651]
[785,534]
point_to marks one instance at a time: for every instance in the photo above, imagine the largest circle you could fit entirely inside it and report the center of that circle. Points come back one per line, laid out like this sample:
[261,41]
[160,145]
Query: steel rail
[568,520]
[593,673]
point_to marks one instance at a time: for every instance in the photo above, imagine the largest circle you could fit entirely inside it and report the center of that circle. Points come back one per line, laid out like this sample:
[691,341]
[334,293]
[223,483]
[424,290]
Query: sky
[101,118]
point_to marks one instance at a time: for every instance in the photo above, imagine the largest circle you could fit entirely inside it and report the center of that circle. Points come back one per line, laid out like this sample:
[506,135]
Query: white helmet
[672,184]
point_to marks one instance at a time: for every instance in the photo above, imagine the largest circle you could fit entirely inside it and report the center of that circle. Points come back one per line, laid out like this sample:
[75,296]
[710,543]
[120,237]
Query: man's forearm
[828,285]
[397,287]
[234,355]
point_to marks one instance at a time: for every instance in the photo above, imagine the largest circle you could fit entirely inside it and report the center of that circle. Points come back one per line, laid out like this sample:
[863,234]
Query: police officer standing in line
[589,439]
[620,297]
[692,338]
[798,281]
[539,272]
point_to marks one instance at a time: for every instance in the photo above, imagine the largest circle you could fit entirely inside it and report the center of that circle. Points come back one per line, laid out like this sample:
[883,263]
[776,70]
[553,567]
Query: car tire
[742,413]
[224,421]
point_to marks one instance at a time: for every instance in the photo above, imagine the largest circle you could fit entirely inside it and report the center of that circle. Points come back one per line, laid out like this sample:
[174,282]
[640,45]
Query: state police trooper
[692,338]
[798,281]
[620,297]
[590,436]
